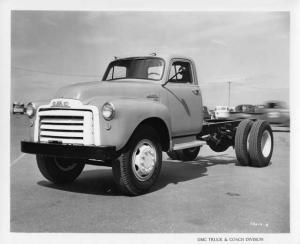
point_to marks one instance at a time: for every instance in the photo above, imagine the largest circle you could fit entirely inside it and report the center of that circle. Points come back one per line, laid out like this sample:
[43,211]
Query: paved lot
[211,194]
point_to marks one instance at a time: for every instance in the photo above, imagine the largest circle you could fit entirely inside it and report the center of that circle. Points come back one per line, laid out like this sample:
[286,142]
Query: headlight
[108,111]
[30,110]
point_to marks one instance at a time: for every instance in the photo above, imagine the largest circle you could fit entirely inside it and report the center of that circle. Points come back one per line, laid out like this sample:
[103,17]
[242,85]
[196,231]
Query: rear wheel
[218,147]
[59,170]
[261,143]
[138,167]
[173,155]
[241,142]
[187,154]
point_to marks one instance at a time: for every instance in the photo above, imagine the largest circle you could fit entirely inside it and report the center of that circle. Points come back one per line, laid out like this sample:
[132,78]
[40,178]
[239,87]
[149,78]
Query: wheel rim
[144,160]
[266,143]
[64,166]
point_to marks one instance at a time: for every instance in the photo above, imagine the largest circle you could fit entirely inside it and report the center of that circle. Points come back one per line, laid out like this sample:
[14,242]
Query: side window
[181,77]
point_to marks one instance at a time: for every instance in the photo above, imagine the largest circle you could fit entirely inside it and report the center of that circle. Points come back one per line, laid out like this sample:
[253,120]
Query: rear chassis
[219,130]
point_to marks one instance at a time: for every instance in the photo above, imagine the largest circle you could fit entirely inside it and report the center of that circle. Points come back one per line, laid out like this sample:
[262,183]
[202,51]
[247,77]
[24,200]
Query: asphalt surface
[210,194]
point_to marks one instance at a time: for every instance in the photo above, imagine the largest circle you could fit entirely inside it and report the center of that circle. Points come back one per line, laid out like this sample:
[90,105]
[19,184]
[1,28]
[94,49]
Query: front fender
[129,114]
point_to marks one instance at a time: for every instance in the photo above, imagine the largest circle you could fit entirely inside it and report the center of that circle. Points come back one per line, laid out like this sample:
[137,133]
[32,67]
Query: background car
[245,108]
[222,112]
[18,108]
[276,112]
[206,114]
[243,111]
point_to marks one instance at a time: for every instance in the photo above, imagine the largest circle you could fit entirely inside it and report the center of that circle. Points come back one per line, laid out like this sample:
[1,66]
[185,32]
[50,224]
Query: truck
[142,107]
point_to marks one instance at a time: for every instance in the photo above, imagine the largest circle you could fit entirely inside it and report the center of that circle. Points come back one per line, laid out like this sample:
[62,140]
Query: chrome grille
[66,126]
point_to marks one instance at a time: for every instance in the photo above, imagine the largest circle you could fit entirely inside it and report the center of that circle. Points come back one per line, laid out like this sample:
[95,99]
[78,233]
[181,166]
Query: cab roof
[166,57]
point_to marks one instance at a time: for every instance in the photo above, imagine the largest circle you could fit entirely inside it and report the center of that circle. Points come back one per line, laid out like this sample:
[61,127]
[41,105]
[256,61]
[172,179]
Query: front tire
[59,170]
[138,167]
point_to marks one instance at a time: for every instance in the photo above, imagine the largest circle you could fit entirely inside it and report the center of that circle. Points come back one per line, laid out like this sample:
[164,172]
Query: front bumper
[103,153]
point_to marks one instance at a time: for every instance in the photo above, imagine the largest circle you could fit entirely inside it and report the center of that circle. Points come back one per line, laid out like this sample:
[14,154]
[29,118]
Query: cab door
[184,99]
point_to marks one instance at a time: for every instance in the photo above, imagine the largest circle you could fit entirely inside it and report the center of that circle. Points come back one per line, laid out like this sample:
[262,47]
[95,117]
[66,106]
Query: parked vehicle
[276,112]
[222,112]
[243,111]
[18,108]
[212,114]
[245,108]
[142,107]
[231,109]
[259,108]
[206,114]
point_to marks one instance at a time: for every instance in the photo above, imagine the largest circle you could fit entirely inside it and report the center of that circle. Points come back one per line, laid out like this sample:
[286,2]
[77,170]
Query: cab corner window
[181,72]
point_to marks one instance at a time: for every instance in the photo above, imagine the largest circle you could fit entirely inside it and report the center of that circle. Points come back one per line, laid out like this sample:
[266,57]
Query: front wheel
[59,170]
[138,167]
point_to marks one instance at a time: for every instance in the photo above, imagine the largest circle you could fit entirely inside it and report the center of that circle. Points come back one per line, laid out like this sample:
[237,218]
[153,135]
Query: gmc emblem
[60,104]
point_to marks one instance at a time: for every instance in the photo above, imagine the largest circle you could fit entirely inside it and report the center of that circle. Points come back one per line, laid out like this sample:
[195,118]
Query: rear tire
[261,144]
[187,154]
[59,170]
[173,155]
[221,147]
[138,167]
[241,142]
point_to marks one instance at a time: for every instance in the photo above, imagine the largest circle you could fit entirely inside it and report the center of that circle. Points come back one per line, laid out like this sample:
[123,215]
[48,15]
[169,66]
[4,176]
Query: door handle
[196,92]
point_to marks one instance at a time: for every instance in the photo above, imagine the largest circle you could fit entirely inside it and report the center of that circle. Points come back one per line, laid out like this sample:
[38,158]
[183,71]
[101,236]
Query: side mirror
[180,71]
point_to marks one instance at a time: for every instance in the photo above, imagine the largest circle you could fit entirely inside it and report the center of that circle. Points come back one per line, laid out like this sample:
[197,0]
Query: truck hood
[87,91]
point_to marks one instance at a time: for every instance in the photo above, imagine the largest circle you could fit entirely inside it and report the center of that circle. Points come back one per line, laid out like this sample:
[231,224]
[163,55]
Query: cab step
[185,145]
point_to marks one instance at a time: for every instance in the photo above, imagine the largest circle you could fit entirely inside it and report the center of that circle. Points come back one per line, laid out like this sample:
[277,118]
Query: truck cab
[175,86]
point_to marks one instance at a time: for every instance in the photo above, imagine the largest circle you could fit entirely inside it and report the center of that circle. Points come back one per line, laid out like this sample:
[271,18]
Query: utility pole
[229,83]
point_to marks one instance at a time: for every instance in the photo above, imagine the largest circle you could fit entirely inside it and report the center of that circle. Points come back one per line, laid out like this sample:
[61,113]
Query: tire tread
[122,167]
[240,143]
[257,158]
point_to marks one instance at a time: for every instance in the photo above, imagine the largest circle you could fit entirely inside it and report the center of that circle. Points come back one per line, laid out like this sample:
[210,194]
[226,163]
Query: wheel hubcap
[266,143]
[144,159]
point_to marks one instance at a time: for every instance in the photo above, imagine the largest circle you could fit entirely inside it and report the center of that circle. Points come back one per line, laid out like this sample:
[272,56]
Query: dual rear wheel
[254,143]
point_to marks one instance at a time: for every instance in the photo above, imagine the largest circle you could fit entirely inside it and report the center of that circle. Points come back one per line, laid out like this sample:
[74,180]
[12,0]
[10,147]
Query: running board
[188,145]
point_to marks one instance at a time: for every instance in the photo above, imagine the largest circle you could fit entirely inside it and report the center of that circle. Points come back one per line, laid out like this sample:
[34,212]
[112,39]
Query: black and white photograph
[151,122]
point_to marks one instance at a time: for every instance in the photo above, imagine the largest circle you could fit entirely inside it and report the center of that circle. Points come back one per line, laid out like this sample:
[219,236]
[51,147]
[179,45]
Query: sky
[50,49]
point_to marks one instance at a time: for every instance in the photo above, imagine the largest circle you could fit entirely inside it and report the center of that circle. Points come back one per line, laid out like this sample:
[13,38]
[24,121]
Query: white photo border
[7,6]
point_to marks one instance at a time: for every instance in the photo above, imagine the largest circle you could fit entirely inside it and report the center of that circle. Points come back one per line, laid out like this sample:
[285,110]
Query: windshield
[135,68]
